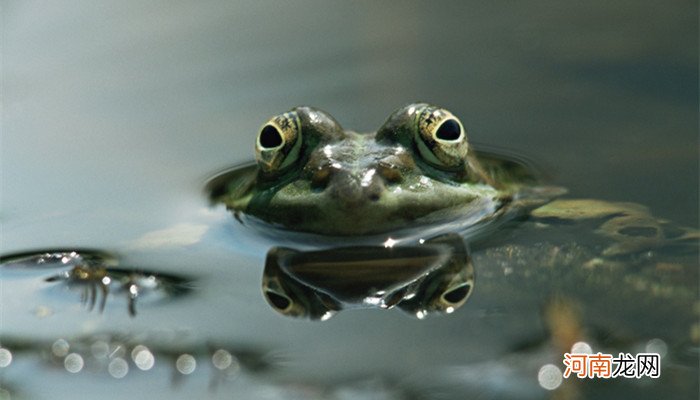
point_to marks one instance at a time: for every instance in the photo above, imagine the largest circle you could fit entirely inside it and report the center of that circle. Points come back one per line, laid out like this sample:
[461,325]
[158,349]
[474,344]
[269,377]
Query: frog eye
[441,138]
[456,296]
[280,301]
[279,142]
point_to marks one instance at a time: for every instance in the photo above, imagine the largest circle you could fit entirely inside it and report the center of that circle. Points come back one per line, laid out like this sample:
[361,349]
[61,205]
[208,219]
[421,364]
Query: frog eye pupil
[457,295]
[280,302]
[449,130]
[270,137]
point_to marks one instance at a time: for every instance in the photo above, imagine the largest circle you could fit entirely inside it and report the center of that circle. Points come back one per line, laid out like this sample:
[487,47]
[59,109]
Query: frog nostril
[390,174]
[320,178]
[374,196]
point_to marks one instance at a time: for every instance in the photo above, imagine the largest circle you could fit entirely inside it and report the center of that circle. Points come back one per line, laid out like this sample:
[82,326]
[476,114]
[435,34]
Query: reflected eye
[279,301]
[457,295]
[440,138]
[278,142]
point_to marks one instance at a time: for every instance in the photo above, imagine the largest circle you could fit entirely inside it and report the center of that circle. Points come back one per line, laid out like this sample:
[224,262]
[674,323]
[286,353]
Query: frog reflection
[435,277]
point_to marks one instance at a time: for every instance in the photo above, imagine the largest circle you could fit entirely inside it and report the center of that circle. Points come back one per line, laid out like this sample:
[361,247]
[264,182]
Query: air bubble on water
[118,368]
[73,363]
[143,358]
[581,348]
[5,357]
[186,364]
[60,348]
[549,377]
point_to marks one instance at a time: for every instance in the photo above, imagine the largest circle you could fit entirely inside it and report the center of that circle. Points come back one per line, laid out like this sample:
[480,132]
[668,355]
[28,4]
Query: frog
[414,179]
[417,170]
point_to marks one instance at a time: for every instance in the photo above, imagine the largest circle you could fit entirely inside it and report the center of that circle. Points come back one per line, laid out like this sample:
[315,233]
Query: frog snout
[351,189]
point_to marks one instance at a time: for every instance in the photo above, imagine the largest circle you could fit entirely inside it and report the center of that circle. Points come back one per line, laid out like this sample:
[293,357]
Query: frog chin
[372,223]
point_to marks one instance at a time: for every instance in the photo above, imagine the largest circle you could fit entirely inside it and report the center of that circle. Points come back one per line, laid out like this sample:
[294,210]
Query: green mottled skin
[376,182]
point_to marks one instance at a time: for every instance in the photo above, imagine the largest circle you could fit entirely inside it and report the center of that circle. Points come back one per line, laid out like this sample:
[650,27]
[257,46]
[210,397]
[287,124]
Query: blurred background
[115,114]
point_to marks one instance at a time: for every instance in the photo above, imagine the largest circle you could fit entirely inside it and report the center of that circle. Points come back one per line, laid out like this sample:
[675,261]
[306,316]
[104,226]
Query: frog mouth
[315,213]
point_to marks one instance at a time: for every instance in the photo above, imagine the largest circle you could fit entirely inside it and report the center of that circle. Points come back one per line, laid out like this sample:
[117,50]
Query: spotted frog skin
[416,170]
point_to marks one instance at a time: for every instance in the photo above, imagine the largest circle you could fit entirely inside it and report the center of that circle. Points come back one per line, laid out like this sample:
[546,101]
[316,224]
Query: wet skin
[417,170]
[314,176]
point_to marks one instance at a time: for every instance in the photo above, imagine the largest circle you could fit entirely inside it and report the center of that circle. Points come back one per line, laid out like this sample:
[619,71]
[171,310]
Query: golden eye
[441,138]
[279,142]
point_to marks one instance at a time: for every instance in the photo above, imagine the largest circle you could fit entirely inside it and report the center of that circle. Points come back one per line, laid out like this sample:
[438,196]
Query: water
[114,117]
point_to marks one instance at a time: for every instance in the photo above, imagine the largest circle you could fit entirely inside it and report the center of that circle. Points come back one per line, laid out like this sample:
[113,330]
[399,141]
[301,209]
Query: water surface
[114,117]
